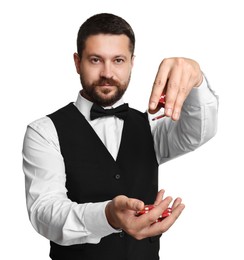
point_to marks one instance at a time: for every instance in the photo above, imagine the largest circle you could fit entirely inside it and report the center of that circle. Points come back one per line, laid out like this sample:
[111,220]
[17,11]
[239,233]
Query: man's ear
[77,62]
[132,60]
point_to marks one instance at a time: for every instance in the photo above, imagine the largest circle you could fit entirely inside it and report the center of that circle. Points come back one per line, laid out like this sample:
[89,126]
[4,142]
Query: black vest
[92,175]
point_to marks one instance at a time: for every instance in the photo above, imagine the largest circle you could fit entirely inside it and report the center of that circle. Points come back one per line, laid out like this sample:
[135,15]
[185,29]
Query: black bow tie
[120,111]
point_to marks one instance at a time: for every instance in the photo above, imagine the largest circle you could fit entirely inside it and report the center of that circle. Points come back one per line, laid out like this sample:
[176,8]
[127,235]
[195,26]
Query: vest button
[117,176]
[121,234]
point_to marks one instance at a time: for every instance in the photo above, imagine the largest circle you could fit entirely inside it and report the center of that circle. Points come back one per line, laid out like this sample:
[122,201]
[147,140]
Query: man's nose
[106,71]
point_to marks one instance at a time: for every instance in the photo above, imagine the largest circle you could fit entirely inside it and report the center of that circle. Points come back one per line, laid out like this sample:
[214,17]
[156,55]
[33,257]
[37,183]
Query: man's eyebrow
[120,56]
[94,54]
[113,57]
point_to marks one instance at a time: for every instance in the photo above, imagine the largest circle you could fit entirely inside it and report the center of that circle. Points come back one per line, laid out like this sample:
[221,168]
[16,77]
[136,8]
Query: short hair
[104,23]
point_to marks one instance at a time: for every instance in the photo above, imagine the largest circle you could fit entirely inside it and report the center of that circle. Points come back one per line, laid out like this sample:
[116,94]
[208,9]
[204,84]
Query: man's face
[105,68]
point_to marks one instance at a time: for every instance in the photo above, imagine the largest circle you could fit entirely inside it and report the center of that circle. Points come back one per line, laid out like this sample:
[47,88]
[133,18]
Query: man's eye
[119,61]
[95,60]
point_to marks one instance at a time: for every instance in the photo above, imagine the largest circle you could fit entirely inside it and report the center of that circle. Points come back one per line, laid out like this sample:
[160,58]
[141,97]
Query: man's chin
[107,99]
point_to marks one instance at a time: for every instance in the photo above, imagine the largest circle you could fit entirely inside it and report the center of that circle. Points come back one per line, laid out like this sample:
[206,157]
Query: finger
[154,214]
[149,220]
[159,85]
[166,223]
[183,92]
[134,204]
[122,202]
[147,225]
[170,220]
[172,91]
[159,197]
[176,203]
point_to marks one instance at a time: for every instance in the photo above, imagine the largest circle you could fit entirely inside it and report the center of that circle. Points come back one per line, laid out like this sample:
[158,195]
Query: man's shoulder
[42,131]
[45,120]
[45,125]
[42,122]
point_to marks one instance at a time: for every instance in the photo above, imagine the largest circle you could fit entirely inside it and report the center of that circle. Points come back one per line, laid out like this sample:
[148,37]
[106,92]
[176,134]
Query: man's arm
[50,211]
[196,120]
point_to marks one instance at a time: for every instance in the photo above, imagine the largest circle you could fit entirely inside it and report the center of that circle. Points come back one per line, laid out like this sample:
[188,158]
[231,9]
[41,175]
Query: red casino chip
[147,208]
[162,100]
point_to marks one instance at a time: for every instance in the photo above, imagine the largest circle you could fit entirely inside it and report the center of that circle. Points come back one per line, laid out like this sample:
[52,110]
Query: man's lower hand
[121,214]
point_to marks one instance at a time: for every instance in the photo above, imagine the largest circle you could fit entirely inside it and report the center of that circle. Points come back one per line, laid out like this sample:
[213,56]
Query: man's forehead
[106,42]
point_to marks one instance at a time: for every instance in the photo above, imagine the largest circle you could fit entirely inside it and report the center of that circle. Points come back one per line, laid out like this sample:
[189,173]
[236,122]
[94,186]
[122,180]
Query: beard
[105,91]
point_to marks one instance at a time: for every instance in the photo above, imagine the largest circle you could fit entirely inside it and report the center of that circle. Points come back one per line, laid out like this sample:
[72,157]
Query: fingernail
[168,111]
[152,105]
[139,205]
[176,115]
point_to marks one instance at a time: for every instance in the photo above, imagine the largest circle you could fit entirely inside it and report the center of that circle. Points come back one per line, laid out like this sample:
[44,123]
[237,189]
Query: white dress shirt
[65,222]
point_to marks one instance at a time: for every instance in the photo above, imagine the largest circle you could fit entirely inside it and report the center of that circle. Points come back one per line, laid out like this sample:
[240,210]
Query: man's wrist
[109,216]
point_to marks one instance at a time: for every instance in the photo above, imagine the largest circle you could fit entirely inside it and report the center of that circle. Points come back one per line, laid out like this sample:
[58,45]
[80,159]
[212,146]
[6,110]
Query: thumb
[134,204]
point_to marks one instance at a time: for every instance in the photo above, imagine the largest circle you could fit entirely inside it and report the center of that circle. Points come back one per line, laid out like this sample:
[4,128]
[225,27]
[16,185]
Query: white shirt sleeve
[197,124]
[50,211]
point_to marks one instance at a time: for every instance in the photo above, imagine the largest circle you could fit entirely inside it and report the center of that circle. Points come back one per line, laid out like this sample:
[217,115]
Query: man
[91,165]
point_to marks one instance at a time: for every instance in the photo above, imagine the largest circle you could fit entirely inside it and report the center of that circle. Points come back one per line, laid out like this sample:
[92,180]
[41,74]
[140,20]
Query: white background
[37,40]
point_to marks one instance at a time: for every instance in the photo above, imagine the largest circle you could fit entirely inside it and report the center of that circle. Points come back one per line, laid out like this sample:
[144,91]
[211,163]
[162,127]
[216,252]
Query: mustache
[106,81]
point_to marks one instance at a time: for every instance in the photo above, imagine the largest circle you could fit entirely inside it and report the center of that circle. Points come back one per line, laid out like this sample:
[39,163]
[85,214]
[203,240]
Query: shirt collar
[84,105]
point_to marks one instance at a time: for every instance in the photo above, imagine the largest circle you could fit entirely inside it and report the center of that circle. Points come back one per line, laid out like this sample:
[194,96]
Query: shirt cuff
[96,222]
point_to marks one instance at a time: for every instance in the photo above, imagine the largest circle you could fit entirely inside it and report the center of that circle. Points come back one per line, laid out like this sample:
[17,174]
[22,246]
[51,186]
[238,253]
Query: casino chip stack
[147,208]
